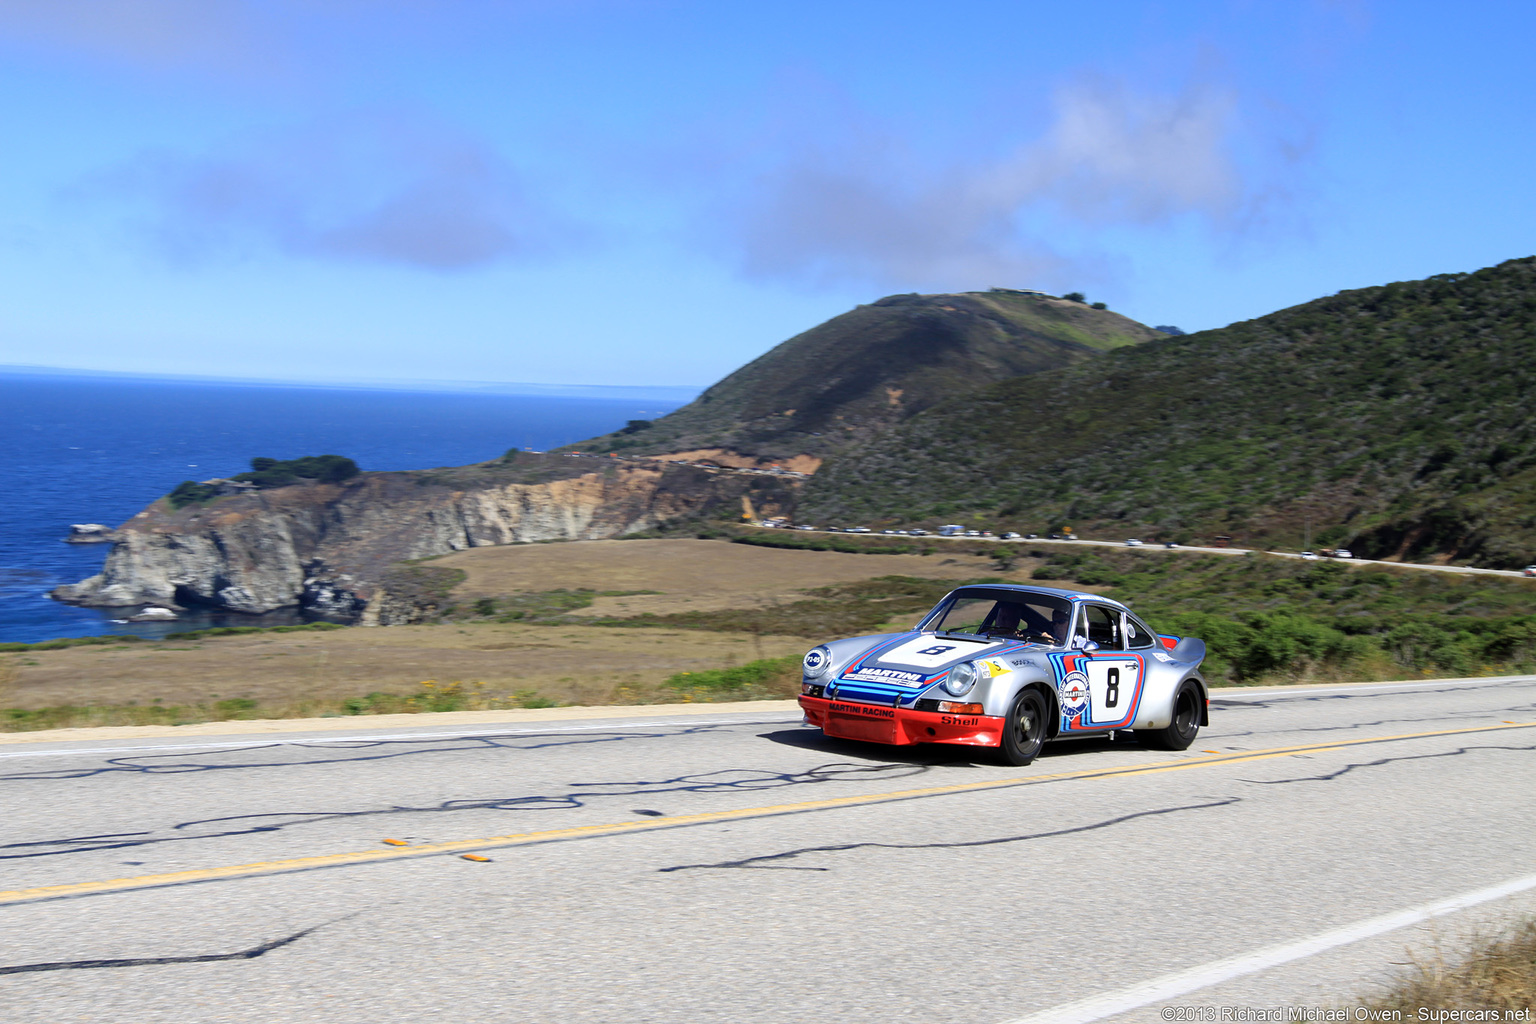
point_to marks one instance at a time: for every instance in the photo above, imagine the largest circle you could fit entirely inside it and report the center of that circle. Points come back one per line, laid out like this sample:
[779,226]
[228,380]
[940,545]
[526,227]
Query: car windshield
[1003,613]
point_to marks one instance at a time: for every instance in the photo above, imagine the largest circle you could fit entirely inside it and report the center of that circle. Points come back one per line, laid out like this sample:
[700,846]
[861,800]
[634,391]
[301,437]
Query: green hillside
[1400,420]
[876,365]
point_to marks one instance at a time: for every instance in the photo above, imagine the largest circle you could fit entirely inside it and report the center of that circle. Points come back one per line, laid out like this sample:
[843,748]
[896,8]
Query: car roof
[1070,595]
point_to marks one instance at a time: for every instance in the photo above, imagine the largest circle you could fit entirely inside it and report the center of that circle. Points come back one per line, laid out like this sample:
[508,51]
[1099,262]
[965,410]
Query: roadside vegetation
[1496,974]
[429,697]
[855,545]
[766,679]
[1268,619]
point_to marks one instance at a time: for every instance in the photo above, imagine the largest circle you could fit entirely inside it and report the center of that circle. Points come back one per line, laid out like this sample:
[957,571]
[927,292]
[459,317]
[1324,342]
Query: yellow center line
[274,867]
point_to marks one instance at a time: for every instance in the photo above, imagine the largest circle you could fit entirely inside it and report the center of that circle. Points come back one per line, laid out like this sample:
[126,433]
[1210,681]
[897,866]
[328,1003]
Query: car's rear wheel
[1180,732]
[1024,729]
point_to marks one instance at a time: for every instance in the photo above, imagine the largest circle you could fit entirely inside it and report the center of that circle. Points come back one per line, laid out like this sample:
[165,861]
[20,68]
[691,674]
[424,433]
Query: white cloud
[377,188]
[865,209]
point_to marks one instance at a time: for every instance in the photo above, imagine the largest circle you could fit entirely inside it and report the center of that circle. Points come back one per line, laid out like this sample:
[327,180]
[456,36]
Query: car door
[1114,673]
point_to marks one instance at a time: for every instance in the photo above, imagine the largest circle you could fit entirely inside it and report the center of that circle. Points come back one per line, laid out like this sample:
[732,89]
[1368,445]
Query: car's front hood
[901,665]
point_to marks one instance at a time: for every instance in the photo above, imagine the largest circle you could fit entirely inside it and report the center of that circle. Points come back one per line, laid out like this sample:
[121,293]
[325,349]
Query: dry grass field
[573,664]
[562,663]
[689,575]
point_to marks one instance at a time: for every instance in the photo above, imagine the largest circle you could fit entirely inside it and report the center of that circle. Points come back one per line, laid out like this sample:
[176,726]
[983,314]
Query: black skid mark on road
[736,780]
[1479,715]
[156,961]
[762,861]
[728,780]
[358,751]
[1382,762]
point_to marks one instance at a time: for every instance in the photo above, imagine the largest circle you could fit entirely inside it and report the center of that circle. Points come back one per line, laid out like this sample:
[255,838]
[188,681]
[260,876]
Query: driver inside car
[1016,620]
[1060,623]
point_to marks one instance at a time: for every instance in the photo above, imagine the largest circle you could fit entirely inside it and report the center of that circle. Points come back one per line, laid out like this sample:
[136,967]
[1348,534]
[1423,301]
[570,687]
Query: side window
[1103,627]
[1137,636]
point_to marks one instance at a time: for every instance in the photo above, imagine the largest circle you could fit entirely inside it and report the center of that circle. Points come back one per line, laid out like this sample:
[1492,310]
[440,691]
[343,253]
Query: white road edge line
[313,739]
[1171,986]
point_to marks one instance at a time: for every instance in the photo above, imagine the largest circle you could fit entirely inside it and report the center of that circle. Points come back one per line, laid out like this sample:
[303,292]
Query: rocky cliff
[335,548]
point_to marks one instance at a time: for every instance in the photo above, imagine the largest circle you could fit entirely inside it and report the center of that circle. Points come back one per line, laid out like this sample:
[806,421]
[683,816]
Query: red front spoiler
[899,726]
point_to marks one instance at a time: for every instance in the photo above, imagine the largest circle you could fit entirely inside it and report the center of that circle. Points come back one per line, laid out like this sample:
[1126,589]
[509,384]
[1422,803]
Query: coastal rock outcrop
[330,548]
[90,533]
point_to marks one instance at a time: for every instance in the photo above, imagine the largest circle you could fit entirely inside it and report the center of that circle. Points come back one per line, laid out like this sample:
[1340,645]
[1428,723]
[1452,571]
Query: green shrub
[328,469]
[190,492]
[752,674]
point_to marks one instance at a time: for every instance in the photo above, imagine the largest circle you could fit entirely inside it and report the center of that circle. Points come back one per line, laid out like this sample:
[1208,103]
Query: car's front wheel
[1181,731]
[1024,729]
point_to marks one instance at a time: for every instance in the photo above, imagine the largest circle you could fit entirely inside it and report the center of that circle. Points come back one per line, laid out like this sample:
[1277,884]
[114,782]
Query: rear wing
[1184,649]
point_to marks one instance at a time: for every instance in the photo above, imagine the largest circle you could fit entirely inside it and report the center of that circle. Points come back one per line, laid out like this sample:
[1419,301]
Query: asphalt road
[744,868]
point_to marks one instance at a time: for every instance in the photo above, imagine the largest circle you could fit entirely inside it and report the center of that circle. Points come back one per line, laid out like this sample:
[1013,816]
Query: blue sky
[652,192]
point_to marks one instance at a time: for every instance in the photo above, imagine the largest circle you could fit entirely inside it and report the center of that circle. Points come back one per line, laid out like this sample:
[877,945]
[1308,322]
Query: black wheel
[1024,729]
[1180,732]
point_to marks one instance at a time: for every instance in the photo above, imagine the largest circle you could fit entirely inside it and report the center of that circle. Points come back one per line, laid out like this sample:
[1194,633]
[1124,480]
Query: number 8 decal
[1112,694]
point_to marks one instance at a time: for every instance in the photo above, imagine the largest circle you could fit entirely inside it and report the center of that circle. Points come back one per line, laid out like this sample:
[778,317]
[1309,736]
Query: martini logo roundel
[1074,693]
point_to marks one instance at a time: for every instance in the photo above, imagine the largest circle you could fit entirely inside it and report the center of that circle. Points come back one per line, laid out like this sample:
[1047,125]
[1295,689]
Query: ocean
[82,449]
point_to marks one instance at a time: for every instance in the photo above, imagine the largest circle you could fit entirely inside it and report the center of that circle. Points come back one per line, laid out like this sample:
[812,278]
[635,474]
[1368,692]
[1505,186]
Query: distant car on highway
[1342,553]
[1529,570]
[1010,535]
[1171,544]
[1310,556]
[857,529]
[1010,667]
[1133,543]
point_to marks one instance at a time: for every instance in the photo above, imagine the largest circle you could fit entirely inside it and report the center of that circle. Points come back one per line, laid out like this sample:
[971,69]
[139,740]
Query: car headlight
[816,662]
[960,680]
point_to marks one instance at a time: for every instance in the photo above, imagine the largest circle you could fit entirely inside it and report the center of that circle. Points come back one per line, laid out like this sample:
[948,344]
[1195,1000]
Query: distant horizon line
[650,392]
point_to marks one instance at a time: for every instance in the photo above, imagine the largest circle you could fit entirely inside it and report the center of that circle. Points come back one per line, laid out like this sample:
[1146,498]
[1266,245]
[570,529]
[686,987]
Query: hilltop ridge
[852,377]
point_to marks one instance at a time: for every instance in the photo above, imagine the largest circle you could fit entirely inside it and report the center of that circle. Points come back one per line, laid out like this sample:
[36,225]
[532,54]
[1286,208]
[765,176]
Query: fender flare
[1053,703]
[1205,696]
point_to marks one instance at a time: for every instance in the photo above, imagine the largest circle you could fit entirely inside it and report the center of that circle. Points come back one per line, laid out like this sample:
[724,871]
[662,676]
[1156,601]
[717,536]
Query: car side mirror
[1088,646]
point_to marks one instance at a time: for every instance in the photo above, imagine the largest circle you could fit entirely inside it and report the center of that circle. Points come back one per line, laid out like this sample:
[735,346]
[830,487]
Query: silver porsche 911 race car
[1010,667]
